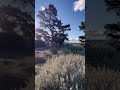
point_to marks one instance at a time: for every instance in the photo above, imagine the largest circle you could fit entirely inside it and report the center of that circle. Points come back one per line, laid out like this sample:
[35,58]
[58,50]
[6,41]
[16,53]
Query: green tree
[82,38]
[52,28]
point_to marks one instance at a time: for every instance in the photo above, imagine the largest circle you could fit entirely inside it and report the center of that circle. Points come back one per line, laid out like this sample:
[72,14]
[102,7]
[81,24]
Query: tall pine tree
[51,28]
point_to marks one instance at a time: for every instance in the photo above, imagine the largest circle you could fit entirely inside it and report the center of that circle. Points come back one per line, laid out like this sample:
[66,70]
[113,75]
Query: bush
[61,72]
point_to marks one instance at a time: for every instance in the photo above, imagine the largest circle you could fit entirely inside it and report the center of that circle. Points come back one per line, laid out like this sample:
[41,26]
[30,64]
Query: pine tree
[52,28]
[82,38]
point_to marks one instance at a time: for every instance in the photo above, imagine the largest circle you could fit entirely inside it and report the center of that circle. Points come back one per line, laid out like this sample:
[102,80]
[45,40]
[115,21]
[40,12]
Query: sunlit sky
[69,11]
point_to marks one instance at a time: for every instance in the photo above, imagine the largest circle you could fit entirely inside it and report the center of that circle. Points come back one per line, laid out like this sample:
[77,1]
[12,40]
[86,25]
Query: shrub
[61,72]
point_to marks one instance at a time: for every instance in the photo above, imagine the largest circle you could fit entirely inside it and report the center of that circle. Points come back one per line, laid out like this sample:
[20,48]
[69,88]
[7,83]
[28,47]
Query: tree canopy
[82,38]
[51,28]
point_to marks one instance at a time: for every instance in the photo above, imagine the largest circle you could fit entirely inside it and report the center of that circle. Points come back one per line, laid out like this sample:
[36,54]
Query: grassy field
[65,69]
[61,68]
[61,72]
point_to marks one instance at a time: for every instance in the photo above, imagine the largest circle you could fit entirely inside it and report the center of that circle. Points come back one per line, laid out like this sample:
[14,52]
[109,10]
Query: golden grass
[61,72]
[66,71]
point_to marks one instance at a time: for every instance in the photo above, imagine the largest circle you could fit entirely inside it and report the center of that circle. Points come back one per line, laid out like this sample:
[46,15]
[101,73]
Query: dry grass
[102,79]
[66,70]
[61,73]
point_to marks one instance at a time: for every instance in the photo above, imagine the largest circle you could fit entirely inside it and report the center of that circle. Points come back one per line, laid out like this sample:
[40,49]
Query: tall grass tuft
[61,72]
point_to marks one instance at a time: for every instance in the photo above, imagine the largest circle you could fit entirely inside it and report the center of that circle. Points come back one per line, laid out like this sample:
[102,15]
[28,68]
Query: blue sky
[66,12]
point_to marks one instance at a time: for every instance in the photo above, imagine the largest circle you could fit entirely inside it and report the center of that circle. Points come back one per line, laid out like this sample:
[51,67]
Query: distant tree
[52,29]
[82,38]
[113,30]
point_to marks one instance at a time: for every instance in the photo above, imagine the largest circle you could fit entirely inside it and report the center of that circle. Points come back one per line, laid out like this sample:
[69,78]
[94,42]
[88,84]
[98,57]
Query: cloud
[42,8]
[79,5]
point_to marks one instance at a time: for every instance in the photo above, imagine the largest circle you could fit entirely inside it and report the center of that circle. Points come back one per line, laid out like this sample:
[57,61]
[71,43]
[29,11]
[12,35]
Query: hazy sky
[69,11]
